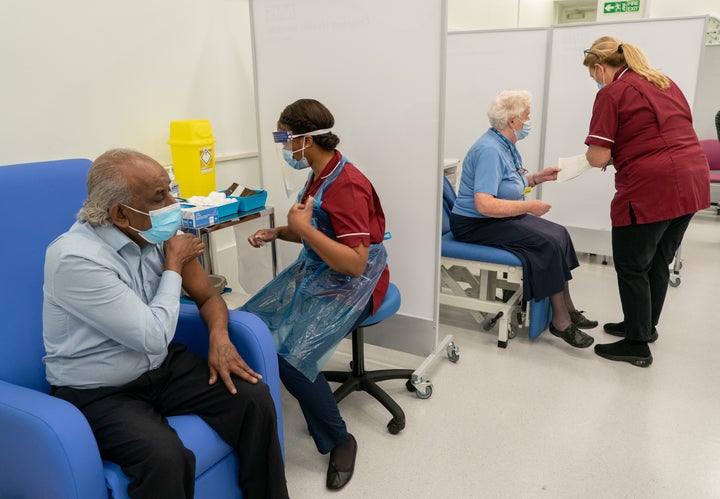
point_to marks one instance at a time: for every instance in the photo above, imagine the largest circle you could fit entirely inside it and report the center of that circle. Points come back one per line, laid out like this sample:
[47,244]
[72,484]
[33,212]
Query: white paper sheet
[572,167]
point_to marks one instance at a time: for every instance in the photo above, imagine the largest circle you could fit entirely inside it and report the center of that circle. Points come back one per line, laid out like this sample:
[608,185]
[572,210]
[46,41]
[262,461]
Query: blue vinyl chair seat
[465,251]
[389,306]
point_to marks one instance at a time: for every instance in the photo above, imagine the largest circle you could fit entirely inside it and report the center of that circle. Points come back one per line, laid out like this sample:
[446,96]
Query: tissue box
[202,216]
[252,202]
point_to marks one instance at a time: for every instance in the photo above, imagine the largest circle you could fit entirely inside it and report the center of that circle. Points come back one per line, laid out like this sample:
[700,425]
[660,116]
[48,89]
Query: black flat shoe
[579,320]
[337,479]
[573,336]
[637,355]
[618,329]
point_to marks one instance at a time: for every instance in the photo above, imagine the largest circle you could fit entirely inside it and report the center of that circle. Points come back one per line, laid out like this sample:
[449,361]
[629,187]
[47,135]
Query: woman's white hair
[507,104]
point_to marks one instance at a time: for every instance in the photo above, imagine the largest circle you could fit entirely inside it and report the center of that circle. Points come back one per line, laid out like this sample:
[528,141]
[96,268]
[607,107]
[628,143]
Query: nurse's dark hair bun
[308,115]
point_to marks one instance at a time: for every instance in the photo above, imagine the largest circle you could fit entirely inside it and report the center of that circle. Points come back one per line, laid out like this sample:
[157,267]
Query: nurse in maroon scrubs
[641,124]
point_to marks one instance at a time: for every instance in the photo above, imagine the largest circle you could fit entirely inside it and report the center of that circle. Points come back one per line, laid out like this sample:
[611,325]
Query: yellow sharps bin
[193,155]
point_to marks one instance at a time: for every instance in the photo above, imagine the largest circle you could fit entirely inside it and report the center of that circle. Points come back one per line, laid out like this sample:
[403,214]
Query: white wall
[81,76]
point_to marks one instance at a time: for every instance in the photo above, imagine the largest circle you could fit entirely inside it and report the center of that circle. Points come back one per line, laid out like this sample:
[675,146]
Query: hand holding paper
[572,167]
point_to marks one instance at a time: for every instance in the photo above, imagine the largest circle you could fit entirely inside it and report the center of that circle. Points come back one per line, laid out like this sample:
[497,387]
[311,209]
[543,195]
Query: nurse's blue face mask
[600,85]
[164,223]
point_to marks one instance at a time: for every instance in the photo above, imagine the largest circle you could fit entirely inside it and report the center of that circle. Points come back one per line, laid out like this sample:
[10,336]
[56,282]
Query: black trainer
[618,329]
[637,355]
[579,320]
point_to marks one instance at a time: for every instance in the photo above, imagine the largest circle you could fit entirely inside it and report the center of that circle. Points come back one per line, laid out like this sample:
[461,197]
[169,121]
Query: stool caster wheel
[394,426]
[410,387]
[453,352]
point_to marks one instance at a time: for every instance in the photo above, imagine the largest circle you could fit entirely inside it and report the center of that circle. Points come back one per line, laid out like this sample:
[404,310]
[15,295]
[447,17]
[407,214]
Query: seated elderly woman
[491,209]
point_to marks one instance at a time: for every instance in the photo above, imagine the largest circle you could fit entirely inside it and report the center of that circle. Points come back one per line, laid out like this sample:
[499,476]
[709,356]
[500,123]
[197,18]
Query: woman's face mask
[600,85]
[522,133]
[164,223]
[297,164]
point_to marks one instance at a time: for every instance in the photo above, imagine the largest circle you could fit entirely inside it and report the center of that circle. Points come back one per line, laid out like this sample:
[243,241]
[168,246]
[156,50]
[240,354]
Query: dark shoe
[579,320]
[618,329]
[573,336]
[638,355]
[337,478]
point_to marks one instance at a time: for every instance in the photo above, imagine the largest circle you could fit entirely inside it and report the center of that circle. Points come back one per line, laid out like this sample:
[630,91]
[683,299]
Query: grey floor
[541,419]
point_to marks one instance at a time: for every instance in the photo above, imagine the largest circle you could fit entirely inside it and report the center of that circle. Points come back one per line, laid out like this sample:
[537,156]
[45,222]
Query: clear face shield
[283,140]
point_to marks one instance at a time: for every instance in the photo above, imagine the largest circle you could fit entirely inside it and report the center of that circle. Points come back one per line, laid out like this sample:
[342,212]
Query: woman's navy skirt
[544,248]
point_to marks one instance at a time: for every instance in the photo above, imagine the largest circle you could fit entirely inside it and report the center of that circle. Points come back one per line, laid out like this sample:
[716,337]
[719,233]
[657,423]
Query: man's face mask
[164,223]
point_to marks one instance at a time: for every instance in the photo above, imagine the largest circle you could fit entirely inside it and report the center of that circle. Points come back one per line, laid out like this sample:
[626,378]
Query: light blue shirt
[109,309]
[491,166]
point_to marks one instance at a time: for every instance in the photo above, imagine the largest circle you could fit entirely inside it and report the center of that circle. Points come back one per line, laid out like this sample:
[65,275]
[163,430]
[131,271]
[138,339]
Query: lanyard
[517,160]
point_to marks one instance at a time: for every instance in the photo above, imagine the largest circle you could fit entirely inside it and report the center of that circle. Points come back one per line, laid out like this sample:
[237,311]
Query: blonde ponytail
[613,52]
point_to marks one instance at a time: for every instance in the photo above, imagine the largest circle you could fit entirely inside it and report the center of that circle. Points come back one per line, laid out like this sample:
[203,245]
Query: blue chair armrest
[47,448]
[251,338]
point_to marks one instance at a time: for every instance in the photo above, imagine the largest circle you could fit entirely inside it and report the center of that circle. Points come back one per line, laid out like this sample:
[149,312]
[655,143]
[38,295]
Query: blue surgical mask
[521,134]
[297,164]
[600,85]
[164,223]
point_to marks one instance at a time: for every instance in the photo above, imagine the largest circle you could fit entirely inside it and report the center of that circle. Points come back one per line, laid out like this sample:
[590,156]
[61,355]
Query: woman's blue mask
[297,164]
[521,134]
[164,223]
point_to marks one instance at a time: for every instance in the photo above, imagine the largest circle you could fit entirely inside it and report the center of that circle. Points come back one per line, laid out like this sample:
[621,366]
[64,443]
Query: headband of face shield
[284,138]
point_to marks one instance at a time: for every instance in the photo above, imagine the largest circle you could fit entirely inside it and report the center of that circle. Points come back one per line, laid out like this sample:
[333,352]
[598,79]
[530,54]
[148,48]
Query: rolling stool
[360,379]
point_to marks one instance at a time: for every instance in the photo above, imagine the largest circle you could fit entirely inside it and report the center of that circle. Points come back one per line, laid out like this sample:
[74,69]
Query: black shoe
[618,329]
[579,320]
[638,355]
[337,479]
[573,336]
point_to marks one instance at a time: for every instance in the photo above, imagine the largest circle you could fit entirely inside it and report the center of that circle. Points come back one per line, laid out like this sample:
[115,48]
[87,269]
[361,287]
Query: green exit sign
[620,7]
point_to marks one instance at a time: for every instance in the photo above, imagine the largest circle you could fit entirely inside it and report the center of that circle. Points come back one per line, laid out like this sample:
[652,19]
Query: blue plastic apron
[309,307]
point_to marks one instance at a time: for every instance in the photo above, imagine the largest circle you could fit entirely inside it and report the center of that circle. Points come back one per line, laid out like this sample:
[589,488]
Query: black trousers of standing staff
[131,430]
[642,254]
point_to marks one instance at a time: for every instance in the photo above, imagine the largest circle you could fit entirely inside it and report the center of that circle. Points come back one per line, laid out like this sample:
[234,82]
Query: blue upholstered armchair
[46,446]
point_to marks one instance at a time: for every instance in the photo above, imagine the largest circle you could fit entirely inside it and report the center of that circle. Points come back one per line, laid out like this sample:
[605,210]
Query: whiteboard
[377,66]
[479,65]
[673,46]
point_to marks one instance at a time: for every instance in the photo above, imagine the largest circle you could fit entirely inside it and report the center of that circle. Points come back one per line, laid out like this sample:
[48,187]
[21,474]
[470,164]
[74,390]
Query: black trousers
[131,430]
[642,254]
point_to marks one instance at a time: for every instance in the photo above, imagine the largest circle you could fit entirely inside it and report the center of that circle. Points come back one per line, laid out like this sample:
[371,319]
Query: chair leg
[360,380]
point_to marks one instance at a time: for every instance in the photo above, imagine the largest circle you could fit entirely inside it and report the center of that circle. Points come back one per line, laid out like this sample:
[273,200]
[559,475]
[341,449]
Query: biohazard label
[206,157]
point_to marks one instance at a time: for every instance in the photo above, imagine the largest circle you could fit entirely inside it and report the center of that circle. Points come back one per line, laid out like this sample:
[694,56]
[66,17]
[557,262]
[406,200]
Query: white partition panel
[479,65]
[583,205]
[377,66]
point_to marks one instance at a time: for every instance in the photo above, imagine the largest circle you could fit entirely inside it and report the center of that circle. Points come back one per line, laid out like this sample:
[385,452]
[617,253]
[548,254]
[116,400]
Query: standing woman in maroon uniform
[641,123]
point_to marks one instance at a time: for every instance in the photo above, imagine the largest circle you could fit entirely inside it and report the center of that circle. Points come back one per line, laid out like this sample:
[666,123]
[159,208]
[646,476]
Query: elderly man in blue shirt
[111,303]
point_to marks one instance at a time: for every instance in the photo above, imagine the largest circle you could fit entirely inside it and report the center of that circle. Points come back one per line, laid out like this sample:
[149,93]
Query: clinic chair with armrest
[711,148]
[472,276]
[47,448]
[358,379]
